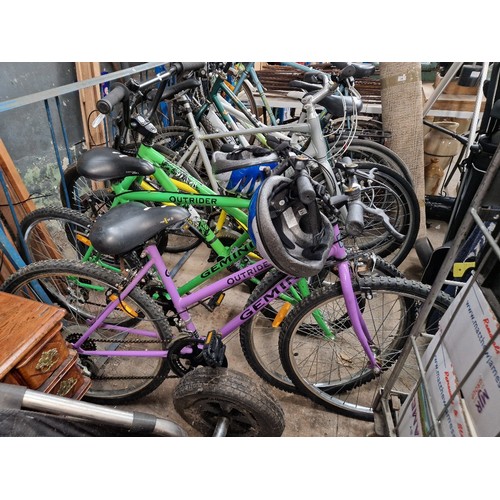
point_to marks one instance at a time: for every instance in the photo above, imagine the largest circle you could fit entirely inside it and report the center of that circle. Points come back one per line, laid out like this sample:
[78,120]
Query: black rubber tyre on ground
[205,395]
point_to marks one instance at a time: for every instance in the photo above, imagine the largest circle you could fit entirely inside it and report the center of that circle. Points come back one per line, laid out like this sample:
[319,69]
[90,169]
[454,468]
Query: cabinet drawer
[68,380]
[42,361]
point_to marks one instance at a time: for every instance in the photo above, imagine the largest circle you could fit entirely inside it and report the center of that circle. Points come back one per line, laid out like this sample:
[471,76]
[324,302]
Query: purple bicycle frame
[182,304]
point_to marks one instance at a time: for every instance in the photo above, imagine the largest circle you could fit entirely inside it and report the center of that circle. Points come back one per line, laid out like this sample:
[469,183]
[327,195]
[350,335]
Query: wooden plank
[18,193]
[88,99]
[19,196]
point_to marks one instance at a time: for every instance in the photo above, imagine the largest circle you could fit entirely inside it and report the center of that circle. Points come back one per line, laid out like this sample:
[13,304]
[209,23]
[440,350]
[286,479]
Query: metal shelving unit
[422,411]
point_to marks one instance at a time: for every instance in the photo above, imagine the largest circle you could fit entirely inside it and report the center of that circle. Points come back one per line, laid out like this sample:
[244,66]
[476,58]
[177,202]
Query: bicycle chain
[137,341]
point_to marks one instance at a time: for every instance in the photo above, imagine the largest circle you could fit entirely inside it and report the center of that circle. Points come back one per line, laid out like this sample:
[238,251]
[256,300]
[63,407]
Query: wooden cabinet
[33,352]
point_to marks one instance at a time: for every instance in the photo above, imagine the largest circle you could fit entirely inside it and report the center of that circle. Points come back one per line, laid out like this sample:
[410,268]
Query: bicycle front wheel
[332,368]
[366,150]
[259,335]
[137,324]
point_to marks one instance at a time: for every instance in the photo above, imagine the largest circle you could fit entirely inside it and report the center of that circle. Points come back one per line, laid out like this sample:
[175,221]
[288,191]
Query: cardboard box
[441,384]
[468,325]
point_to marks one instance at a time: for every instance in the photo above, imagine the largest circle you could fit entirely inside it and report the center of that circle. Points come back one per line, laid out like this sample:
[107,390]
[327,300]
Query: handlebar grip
[116,95]
[305,190]
[186,67]
[190,83]
[355,223]
[347,72]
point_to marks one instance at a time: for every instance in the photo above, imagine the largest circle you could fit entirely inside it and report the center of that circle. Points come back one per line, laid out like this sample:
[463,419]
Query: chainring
[185,354]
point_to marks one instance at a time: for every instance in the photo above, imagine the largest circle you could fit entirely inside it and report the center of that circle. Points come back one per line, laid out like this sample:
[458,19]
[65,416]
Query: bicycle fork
[355,315]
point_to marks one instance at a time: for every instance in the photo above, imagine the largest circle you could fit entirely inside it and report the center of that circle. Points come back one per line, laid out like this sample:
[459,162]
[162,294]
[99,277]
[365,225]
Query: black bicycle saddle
[128,226]
[102,164]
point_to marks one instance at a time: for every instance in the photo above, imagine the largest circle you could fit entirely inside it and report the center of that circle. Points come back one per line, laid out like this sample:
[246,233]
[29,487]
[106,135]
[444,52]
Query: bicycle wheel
[137,324]
[365,150]
[367,127]
[391,193]
[334,371]
[83,196]
[259,335]
[206,395]
[54,233]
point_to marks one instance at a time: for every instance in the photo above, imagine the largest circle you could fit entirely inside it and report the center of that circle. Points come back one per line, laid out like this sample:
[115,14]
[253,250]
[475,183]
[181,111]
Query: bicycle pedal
[214,301]
[212,257]
[213,349]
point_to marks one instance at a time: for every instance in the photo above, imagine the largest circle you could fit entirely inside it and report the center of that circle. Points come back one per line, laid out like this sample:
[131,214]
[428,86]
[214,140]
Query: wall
[25,130]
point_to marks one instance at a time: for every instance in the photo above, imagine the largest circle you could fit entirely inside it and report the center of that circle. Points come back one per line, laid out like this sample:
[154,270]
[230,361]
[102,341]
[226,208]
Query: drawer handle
[47,360]
[66,386]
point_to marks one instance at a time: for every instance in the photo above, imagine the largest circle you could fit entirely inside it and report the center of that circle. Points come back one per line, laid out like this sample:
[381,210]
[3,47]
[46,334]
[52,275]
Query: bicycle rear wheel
[334,371]
[84,196]
[54,233]
[137,324]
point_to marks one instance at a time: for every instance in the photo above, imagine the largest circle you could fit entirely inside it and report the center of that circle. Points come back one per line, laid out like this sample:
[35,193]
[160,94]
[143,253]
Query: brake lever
[98,120]
[385,220]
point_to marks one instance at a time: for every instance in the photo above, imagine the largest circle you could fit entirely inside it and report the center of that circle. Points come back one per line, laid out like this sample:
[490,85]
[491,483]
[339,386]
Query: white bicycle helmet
[280,226]
[242,171]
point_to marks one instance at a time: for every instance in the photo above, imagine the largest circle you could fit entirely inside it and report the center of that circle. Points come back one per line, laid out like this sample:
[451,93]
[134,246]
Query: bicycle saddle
[358,70]
[334,104]
[102,164]
[361,70]
[128,226]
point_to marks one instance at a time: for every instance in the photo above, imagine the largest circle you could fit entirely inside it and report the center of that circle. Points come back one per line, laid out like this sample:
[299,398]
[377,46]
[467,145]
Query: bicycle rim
[259,335]
[335,371]
[84,290]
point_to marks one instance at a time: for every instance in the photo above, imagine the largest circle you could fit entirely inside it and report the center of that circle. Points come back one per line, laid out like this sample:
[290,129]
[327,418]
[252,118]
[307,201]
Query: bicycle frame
[316,149]
[200,195]
[181,304]
[248,71]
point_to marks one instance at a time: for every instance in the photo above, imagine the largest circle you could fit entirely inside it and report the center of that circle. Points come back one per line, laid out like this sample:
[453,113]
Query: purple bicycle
[121,324]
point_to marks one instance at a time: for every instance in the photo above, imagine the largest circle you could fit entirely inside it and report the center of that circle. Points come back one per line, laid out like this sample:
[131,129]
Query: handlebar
[354,221]
[120,92]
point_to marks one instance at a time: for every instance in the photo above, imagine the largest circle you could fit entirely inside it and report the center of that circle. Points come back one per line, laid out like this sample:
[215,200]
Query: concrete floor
[303,418]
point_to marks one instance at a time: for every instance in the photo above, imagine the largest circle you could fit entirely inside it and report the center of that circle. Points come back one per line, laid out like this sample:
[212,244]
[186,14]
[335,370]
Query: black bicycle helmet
[242,171]
[281,227]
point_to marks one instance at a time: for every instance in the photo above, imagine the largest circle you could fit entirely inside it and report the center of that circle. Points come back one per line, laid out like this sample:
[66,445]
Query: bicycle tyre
[258,336]
[53,233]
[335,373]
[205,394]
[83,197]
[62,233]
[366,150]
[115,379]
